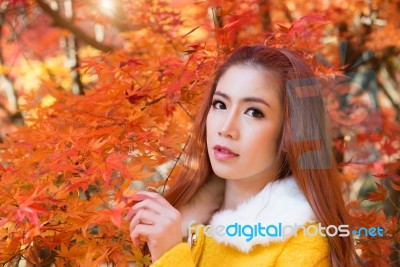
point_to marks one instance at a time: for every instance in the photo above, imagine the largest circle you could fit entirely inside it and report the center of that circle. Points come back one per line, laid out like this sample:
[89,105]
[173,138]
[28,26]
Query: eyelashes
[256,113]
[214,102]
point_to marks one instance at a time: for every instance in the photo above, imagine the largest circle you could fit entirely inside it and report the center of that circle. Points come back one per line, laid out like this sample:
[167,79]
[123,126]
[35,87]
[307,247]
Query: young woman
[260,181]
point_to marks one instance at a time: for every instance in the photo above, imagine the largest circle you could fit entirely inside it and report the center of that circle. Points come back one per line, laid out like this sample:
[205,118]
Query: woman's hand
[156,220]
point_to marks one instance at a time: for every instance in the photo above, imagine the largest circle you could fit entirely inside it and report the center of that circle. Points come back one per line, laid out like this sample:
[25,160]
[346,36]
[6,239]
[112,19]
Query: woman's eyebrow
[245,99]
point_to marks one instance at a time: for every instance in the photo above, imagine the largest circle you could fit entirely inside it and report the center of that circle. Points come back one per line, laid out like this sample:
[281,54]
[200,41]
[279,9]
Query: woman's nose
[229,128]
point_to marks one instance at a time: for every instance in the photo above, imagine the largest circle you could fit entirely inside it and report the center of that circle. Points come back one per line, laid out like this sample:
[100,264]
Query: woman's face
[245,117]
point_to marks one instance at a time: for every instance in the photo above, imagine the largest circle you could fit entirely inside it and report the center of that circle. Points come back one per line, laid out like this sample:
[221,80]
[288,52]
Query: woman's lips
[224,153]
[225,149]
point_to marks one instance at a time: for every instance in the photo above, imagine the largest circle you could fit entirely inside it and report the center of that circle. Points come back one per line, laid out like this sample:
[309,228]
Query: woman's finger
[141,230]
[148,204]
[146,217]
[141,195]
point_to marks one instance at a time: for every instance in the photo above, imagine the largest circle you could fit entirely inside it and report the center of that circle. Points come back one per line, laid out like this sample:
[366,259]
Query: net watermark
[281,230]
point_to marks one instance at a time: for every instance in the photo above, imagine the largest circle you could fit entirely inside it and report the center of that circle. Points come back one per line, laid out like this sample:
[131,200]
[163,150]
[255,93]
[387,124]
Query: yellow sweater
[298,251]
[279,203]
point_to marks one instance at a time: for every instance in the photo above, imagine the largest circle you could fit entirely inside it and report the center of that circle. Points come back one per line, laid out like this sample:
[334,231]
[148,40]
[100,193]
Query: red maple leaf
[381,175]
[388,147]
[380,195]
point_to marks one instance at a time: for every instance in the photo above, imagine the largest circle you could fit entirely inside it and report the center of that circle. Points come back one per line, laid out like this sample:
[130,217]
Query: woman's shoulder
[309,245]
[310,235]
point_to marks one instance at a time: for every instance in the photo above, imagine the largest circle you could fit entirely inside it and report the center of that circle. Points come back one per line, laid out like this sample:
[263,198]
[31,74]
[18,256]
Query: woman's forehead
[244,81]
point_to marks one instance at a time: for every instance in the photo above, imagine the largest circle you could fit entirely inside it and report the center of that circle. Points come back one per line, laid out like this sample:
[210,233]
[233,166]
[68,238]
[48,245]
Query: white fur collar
[278,202]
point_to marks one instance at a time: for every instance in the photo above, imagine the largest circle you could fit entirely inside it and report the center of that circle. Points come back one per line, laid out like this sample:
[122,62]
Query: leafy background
[98,99]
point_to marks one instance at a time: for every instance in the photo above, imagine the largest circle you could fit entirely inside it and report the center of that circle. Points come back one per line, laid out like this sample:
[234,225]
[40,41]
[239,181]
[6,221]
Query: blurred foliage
[98,99]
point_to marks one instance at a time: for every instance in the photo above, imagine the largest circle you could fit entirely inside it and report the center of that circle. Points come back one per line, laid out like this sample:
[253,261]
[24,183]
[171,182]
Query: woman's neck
[238,191]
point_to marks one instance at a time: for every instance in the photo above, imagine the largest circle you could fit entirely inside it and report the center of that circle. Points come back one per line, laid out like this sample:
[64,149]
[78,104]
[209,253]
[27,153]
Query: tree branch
[2,107]
[265,9]
[68,25]
[392,101]
[8,84]
[73,56]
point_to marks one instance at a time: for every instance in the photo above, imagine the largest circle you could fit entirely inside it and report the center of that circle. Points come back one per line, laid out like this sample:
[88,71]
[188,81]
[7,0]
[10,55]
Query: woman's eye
[218,104]
[255,113]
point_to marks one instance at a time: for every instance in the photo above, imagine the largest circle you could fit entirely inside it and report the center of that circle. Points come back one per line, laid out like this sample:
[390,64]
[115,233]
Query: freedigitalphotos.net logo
[351,105]
[280,230]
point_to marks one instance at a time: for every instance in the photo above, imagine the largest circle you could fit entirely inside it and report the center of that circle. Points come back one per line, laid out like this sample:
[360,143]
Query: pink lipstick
[222,152]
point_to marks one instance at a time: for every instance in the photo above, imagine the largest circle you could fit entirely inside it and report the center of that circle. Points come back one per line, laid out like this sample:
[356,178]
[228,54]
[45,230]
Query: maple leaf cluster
[67,174]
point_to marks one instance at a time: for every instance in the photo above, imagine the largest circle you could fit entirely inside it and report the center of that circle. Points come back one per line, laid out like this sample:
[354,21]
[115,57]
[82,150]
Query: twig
[66,24]
[187,113]
[176,162]
[152,102]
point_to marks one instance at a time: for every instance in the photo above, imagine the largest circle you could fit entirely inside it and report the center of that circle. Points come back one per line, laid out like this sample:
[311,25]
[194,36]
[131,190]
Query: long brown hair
[305,149]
